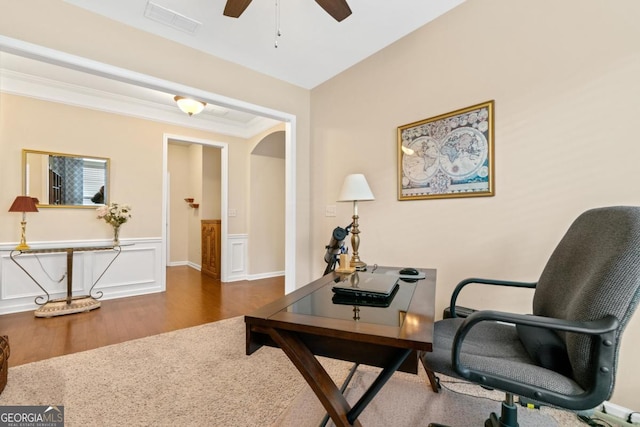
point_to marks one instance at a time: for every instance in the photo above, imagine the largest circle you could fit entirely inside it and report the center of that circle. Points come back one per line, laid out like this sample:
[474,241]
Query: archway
[267,201]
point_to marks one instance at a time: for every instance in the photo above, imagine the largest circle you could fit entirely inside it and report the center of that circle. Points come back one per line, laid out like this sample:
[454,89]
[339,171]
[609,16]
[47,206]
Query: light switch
[233,212]
[330,210]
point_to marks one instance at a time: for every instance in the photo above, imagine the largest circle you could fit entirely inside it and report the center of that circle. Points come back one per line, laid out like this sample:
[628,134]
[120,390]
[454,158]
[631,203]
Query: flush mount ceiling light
[188,105]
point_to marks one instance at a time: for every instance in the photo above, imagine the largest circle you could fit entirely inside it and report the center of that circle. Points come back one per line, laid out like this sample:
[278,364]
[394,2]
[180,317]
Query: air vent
[218,110]
[170,18]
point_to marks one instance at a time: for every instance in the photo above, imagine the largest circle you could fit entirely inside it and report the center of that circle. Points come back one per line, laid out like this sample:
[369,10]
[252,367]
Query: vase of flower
[115,214]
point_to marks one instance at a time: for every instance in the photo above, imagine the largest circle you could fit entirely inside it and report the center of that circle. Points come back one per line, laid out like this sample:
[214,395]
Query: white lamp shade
[189,106]
[355,187]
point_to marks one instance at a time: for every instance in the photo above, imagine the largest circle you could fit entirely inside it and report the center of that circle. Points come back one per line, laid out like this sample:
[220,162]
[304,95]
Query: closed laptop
[366,285]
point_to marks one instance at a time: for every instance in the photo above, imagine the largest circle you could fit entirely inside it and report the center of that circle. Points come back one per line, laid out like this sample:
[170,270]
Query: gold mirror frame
[48,176]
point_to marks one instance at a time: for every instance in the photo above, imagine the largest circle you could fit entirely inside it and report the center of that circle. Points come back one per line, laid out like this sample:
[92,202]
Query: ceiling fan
[338,9]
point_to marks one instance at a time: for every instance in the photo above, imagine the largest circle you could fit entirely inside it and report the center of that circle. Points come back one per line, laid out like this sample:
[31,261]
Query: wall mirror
[65,180]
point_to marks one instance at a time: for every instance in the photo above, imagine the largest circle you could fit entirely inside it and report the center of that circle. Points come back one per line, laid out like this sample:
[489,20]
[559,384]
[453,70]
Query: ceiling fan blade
[234,8]
[339,9]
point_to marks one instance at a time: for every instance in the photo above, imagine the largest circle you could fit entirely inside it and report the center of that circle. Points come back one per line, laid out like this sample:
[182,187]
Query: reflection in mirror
[65,180]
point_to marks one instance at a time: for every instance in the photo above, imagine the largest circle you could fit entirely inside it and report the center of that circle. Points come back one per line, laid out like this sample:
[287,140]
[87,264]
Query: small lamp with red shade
[24,204]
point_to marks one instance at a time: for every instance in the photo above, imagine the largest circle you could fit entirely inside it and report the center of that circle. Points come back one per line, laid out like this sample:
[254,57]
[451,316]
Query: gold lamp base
[356,262]
[22,246]
[360,266]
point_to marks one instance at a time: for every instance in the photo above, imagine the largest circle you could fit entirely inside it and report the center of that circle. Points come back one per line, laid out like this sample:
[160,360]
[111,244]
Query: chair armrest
[465,282]
[603,331]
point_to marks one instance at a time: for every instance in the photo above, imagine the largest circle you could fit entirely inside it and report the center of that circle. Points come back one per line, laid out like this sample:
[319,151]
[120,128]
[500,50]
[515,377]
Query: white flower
[115,214]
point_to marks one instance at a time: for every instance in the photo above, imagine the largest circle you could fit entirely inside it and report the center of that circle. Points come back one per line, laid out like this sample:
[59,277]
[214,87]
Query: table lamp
[24,204]
[355,188]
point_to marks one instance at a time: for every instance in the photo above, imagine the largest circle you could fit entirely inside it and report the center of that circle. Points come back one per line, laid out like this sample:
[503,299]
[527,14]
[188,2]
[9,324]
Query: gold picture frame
[450,155]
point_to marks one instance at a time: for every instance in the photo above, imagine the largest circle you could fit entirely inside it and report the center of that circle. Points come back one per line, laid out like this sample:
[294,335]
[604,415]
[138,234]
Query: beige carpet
[406,400]
[201,377]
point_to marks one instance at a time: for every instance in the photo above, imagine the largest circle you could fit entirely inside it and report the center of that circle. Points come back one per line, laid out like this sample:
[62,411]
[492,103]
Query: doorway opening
[196,189]
[195,198]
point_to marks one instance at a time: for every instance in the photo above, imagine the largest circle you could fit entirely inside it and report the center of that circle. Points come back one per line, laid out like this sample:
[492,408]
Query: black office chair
[565,354]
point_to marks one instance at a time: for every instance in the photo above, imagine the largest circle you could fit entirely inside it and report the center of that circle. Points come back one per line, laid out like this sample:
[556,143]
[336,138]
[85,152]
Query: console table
[70,304]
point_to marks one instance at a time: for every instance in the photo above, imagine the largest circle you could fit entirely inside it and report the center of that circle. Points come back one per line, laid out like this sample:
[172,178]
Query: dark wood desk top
[406,323]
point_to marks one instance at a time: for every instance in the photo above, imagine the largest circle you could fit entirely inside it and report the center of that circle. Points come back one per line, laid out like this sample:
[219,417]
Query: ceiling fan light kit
[338,9]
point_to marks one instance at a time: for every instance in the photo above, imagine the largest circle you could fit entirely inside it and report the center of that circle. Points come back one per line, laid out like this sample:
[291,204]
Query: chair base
[508,417]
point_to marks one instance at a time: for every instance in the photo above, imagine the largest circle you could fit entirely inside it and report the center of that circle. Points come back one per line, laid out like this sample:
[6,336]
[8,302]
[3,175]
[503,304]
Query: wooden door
[211,247]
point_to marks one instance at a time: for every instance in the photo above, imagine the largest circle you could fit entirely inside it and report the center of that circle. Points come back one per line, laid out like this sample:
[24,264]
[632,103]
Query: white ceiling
[313,48]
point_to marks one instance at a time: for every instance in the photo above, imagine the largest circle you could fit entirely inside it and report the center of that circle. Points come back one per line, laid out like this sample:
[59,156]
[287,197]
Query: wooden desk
[70,304]
[306,324]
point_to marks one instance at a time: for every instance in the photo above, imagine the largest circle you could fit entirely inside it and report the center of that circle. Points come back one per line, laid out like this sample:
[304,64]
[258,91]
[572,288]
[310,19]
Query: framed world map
[450,155]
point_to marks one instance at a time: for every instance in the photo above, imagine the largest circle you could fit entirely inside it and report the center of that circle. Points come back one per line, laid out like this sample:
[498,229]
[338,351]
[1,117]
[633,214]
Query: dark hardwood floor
[191,299]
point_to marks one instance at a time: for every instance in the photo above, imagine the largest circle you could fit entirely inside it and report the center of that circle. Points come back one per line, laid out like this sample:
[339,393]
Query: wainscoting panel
[237,251]
[137,270]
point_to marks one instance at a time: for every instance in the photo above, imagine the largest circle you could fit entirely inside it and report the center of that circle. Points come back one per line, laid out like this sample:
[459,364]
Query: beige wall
[267,222]
[266,201]
[204,187]
[133,145]
[564,77]
[136,177]
[135,149]
[195,191]
[211,183]
[98,38]
[178,166]
[238,194]
[36,185]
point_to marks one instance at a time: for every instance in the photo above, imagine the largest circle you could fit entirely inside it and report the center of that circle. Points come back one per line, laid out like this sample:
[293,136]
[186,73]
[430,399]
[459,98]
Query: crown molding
[38,87]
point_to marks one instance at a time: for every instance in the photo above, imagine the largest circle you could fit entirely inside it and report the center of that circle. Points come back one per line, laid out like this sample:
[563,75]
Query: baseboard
[177,263]
[621,415]
[194,266]
[183,263]
[611,420]
[265,275]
